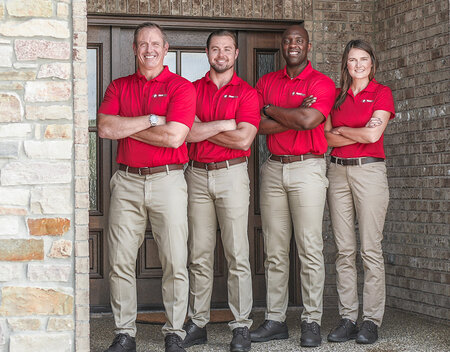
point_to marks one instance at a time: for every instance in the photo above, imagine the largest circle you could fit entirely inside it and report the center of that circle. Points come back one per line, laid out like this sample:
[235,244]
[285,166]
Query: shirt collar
[306,71]
[163,76]
[371,87]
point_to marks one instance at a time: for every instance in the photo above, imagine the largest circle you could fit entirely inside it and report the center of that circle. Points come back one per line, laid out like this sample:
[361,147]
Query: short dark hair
[148,25]
[221,33]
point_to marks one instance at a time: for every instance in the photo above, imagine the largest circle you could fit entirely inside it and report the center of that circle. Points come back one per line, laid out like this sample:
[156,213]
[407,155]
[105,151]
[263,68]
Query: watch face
[153,120]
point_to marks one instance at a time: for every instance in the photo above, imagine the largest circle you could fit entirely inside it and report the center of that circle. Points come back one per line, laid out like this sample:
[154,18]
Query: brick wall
[43,184]
[412,40]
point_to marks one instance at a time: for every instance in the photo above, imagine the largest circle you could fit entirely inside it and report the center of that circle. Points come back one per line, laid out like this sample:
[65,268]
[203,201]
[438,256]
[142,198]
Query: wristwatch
[153,120]
[264,109]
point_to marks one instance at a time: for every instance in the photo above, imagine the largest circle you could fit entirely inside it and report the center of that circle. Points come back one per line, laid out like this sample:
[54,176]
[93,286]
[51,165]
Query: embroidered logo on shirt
[159,95]
[298,93]
[367,101]
[230,96]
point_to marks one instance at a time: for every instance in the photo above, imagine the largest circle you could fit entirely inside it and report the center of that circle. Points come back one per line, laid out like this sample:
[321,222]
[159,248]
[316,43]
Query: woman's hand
[374,122]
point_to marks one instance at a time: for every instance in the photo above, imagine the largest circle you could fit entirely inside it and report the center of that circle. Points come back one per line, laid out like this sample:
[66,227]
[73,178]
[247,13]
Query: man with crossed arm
[218,187]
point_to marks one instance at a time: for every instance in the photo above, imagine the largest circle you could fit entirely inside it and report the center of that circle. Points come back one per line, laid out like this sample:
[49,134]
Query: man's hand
[308,101]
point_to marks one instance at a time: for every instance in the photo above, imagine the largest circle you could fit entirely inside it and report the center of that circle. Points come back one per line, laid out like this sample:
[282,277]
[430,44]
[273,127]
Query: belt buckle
[140,170]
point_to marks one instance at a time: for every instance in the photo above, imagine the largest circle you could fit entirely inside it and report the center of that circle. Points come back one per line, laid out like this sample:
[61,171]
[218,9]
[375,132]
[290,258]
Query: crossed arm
[283,119]
[224,133]
[170,135]
[370,133]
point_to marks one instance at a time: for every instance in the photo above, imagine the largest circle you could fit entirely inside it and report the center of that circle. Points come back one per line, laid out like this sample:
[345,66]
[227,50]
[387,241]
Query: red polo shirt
[356,111]
[167,95]
[279,89]
[235,100]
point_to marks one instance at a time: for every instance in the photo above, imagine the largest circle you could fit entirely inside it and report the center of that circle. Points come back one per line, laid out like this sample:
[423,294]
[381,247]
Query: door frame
[205,24]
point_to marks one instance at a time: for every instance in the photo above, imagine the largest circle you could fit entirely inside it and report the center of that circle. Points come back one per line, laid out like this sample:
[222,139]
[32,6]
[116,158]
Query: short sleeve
[248,110]
[110,104]
[325,91]
[181,106]
[259,89]
[384,101]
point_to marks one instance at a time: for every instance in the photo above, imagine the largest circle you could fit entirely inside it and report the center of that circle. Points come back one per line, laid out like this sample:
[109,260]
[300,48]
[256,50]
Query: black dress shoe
[368,333]
[345,331]
[310,334]
[174,343]
[270,330]
[241,340]
[122,343]
[194,334]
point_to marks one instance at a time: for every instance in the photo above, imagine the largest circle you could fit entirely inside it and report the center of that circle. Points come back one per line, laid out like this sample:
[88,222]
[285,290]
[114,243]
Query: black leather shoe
[345,331]
[122,343]
[174,343]
[194,334]
[270,330]
[368,333]
[241,340]
[310,334]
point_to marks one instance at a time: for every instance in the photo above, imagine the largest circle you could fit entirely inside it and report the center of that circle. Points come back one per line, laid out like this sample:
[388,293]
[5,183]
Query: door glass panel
[93,80]
[92,84]
[171,61]
[265,63]
[194,65]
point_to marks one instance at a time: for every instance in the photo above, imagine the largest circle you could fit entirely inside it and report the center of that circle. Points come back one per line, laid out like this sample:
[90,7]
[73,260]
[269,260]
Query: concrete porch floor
[401,332]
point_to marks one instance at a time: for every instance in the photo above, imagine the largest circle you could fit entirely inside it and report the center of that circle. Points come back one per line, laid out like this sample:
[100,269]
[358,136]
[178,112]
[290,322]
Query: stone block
[21,249]
[41,343]
[58,131]
[48,149]
[10,271]
[57,70]
[9,225]
[62,10]
[29,8]
[48,226]
[33,172]
[28,49]
[47,91]
[51,200]
[9,150]
[16,130]
[21,324]
[60,249]
[49,272]
[20,75]
[5,55]
[14,196]
[52,112]
[35,27]
[12,211]
[60,324]
[11,109]
[23,301]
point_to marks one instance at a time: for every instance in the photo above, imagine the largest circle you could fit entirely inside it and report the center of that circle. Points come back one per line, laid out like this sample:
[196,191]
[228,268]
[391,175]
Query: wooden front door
[110,56]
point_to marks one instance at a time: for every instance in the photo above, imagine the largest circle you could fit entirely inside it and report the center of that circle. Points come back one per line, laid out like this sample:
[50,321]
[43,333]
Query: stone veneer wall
[412,39]
[44,256]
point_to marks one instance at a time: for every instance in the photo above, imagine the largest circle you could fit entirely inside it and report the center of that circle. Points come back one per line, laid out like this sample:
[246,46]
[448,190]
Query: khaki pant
[293,194]
[135,199]
[223,196]
[364,190]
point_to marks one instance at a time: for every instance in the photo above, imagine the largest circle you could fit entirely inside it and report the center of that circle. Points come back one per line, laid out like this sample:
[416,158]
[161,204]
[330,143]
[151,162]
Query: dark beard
[221,70]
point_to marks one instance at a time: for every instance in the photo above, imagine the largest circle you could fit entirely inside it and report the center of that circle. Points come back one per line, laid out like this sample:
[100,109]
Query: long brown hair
[346,79]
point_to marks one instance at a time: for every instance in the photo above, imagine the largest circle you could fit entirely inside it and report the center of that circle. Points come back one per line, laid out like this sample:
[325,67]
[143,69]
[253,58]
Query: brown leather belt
[150,170]
[219,165]
[287,159]
[355,161]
